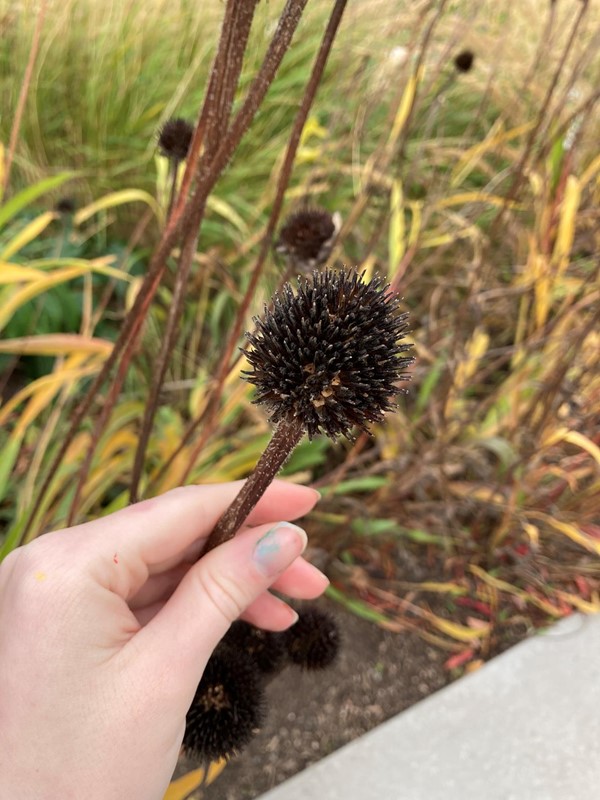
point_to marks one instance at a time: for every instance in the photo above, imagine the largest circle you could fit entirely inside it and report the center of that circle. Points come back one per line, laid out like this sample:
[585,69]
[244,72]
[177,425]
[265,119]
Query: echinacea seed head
[175,138]
[328,357]
[313,642]
[464,61]
[227,708]
[307,236]
[265,648]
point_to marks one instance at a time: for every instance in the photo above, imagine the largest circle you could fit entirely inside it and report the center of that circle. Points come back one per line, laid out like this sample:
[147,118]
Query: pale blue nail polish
[279,547]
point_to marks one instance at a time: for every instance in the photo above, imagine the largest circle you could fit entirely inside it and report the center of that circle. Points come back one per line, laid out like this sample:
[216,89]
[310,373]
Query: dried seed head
[227,707]
[464,60]
[306,237]
[66,205]
[175,138]
[328,358]
[313,642]
[265,648]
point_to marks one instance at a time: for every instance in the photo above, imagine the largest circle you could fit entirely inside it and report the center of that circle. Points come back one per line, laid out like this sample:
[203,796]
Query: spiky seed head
[328,358]
[66,205]
[265,648]
[227,708]
[313,642]
[464,60]
[306,237]
[175,138]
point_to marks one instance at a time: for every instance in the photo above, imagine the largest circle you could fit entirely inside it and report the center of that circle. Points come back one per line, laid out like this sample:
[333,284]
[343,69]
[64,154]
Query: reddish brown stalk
[223,83]
[282,184]
[186,218]
[18,118]
[519,172]
[284,440]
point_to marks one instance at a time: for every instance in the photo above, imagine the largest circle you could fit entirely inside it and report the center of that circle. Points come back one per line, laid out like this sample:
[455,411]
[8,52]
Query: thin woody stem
[283,441]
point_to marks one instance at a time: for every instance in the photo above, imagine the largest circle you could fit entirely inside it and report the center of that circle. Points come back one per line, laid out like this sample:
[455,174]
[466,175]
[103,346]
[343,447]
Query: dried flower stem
[519,172]
[18,118]
[209,413]
[234,38]
[284,440]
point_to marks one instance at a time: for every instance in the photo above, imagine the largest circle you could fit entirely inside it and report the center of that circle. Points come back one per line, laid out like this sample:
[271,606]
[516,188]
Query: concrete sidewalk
[524,727]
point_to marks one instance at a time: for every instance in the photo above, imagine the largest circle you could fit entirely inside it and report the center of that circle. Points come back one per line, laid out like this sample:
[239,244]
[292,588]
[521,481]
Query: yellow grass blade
[182,787]
[16,273]
[397,230]
[229,213]
[404,108]
[574,438]
[567,223]
[28,234]
[215,768]
[497,136]
[573,533]
[118,199]
[44,386]
[56,344]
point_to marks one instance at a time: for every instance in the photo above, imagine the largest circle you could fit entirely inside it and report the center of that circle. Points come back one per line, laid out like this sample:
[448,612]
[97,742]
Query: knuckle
[222,592]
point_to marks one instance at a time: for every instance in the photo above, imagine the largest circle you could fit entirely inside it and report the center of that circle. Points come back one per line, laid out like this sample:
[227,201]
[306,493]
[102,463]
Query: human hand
[105,630]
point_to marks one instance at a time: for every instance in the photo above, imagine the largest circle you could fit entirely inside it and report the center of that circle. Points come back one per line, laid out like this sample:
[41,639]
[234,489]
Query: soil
[311,714]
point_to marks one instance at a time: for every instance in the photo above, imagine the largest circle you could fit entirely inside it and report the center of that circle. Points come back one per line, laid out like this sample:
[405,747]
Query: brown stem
[16,126]
[284,440]
[282,183]
[222,86]
[519,172]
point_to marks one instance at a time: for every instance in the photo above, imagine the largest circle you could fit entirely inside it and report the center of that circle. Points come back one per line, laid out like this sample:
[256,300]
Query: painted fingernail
[279,547]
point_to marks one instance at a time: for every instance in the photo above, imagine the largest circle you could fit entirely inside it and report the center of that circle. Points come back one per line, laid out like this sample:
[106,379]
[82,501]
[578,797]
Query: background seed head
[464,60]
[328,358]
[313,642]
[306,237]
[265,648]
[175,138]
[227,708]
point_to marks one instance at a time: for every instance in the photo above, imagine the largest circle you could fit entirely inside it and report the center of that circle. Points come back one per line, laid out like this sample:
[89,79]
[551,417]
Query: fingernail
[279,547]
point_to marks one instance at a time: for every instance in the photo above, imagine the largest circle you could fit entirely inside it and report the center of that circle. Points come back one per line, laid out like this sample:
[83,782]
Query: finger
[302,581]
[150,537]
[270,613]
[214,593]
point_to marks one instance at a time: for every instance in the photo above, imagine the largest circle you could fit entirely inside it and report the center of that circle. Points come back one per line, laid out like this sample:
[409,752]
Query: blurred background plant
[473,515]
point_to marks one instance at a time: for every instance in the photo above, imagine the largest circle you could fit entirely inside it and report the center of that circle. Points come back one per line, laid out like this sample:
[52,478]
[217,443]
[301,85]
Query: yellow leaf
[215,768]
[182,787]
[397,231]
[573,533]
[56,344]
[16,273]
[567,223]
[585,606]
[28,234]
[404,108]
[575,438]
[229,213]
[496,136]
[460,632]
[118,199]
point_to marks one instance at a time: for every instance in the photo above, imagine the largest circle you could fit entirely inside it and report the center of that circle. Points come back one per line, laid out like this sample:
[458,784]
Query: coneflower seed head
[265,648]
[307,237]
[175,138]
[328,357]
[313,641]
[464,61]
[227,708]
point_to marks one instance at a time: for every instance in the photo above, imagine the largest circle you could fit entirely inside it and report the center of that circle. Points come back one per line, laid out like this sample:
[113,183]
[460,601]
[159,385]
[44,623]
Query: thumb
[214,593]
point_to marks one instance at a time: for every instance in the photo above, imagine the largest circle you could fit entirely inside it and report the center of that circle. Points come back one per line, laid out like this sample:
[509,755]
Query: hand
[105,630]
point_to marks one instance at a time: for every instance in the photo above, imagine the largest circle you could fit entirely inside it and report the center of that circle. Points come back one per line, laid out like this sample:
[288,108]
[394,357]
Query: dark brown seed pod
[66,205]
[175,138]
[306,238]
[313,642]
[464,61]
[327,358]
[227,708]
[265,648]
